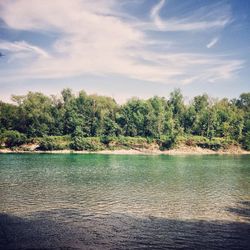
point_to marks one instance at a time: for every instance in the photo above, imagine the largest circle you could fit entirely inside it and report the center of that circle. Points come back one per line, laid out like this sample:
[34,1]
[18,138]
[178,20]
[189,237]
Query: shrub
[87,143]
[12,138]
[216,143]
[150,140]
[49,143]
[204,142]
[166,141]
[130,142]
[246,141]
[210,145]
[107,139]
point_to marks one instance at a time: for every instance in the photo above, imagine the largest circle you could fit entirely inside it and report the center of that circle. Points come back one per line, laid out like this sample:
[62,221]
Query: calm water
[124,202]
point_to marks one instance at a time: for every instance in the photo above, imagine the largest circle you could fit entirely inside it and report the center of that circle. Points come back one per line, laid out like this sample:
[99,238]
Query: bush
[127,142]
[246,141]
[204,142]
[131,141]
[49,143]
[210,145]
[118,142]
[150,140]
[87,143]
[13,138]
[166,141]
[107,139]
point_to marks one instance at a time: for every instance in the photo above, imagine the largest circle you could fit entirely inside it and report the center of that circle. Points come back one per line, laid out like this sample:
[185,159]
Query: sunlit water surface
[114,202]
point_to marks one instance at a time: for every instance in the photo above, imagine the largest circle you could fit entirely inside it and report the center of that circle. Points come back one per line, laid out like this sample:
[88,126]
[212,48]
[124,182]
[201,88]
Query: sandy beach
[181,150]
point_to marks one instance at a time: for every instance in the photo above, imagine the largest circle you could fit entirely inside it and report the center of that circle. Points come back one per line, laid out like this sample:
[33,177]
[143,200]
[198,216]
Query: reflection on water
[117,201]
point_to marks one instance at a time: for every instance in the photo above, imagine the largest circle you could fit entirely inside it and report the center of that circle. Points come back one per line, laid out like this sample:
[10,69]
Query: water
[53,201]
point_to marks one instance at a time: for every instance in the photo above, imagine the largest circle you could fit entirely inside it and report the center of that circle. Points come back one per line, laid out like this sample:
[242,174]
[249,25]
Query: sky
[125,48]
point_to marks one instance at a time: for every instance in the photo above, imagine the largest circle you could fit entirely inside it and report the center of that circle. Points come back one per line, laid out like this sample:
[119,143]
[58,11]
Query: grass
[49,143]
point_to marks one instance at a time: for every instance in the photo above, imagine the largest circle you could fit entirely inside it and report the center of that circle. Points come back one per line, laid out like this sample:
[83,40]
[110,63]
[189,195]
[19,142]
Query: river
[73,201]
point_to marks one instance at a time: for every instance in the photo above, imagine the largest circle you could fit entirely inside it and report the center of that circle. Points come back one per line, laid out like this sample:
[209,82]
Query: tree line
[36,115]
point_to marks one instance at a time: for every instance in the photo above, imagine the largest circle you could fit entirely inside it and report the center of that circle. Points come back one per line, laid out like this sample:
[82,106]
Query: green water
[110,199]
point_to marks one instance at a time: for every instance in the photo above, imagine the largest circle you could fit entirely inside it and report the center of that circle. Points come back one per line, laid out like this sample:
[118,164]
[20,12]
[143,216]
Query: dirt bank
[180,150]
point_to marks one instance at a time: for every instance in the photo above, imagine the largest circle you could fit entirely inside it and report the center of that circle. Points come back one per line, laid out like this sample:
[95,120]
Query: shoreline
[175,151]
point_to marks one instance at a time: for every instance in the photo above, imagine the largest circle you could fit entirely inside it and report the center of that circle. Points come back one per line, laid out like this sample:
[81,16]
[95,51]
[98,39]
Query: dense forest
[94,122]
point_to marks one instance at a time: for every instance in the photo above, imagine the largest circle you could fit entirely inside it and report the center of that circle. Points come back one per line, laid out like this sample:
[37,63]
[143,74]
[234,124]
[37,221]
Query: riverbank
[180,150]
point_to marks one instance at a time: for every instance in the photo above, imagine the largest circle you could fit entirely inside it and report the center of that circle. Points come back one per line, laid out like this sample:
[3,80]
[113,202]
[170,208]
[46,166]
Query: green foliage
[49,143]
[246,141]
[244,102]
[87,143]
[132,117]
[110,127]
[155,119]
[8,116]
[126,142]
[131,142]
[176,103]
[204,142]
[167,141]
[12,138]
[34,110]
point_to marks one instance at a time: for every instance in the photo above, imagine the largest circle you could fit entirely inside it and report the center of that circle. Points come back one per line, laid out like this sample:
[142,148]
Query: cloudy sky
[125,48]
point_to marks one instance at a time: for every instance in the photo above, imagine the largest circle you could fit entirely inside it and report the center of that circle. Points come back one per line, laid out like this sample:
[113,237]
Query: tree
[110,127]
[34,114]
[176,102]
[82,115]
[12,138]
[244,102]
[132,117]
[8,116]
[159,118]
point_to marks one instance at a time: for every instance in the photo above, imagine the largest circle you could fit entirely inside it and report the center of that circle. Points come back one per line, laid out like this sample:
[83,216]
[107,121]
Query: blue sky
[125,48]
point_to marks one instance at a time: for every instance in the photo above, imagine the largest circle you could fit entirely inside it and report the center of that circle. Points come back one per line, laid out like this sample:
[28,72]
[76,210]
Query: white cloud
[154,14]
[22,46]
[212,42]
[93,38]
[200,20]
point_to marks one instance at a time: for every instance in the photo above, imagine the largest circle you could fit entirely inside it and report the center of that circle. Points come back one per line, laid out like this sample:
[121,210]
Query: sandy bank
[181,150]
